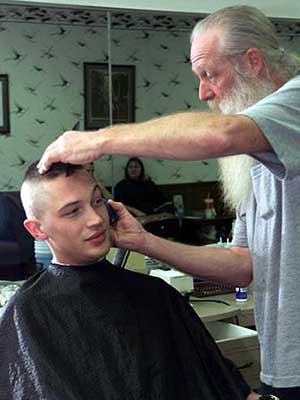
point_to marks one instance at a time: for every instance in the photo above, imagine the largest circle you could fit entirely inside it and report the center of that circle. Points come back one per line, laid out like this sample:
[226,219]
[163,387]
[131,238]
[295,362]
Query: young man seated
[84,329]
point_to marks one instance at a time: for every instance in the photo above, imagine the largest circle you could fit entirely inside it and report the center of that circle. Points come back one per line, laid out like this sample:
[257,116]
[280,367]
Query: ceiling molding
[119,20]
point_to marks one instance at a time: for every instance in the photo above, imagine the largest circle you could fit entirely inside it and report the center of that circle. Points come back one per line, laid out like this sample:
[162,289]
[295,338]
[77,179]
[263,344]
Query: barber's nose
[205,92]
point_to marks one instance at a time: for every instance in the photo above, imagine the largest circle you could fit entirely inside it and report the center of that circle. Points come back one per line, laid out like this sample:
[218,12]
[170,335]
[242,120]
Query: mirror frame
[4,99]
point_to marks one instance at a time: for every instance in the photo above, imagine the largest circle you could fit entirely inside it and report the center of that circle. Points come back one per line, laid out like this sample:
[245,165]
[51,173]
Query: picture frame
[4,105]
[96,94]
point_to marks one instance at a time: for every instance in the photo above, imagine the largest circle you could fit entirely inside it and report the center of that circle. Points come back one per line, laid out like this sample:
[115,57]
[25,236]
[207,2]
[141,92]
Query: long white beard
[244,93]
[236,180]
[235,173]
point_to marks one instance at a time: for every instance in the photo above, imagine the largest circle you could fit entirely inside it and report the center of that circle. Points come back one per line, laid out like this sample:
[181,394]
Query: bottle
[209,210]
[151,263]
[178,205]
[241,294]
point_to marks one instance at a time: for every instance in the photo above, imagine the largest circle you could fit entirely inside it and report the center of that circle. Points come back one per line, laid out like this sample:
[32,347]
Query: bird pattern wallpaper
[43,51]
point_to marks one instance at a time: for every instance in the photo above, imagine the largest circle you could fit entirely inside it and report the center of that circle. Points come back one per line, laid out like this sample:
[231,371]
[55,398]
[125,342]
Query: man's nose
[205,92]
[94,217]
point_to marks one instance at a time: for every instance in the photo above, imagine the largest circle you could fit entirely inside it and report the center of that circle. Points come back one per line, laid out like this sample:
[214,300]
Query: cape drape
[98,332]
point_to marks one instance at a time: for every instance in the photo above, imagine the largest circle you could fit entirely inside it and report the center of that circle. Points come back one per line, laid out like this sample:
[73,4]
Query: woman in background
[138,192]
[105,193]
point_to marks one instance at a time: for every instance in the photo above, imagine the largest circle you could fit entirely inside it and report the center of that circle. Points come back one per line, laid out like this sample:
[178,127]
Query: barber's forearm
[184,136]
[230,266]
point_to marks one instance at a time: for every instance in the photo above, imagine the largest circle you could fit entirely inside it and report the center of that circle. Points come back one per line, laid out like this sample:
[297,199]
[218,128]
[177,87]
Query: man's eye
[72,212]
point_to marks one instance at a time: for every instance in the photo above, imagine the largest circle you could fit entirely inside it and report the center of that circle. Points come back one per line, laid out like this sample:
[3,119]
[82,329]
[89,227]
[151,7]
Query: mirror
[44,58]
[157,45]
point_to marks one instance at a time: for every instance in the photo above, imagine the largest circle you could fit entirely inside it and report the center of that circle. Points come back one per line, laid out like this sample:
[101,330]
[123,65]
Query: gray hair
[247,27]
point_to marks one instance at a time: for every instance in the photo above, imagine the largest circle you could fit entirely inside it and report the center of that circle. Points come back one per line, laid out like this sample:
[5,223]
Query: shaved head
[34,194]
[65,208]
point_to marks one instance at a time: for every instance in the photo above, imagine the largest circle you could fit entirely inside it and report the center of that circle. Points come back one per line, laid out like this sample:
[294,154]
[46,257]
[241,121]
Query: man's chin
[101,253]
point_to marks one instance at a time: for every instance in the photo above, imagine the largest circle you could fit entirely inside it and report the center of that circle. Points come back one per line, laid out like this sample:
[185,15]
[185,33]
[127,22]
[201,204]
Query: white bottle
[220,243]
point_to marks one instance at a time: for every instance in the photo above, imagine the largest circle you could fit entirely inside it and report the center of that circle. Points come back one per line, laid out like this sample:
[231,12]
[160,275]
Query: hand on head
[127,232]
[72,147]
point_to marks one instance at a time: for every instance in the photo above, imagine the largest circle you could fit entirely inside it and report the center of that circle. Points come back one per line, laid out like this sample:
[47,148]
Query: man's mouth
[99,236]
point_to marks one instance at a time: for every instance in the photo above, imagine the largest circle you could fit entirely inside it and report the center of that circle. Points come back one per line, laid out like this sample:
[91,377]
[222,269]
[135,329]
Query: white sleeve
[240,237]
[278,117]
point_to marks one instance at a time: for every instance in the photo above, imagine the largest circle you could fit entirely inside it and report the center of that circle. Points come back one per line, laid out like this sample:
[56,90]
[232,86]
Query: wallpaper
[44,62]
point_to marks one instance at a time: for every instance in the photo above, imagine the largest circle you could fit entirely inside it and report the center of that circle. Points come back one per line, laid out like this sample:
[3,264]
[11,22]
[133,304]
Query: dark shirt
[143,195]
[99,332]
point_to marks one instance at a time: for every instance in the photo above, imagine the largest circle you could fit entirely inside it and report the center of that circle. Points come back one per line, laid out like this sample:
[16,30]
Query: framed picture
[4,105]
[96,94]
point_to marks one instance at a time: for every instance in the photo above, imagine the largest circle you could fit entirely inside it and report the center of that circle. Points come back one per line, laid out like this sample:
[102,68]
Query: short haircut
[57,169]
[33,196]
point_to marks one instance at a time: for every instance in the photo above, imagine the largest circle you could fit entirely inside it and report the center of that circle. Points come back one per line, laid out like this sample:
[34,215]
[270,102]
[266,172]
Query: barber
[252,87]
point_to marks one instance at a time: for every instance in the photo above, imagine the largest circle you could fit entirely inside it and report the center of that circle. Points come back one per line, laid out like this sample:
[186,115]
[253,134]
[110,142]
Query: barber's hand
[135,211]
[72,147]
[127,232]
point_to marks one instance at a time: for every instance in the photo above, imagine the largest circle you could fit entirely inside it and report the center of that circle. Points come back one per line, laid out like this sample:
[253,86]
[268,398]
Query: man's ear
[35,228]
[255,61]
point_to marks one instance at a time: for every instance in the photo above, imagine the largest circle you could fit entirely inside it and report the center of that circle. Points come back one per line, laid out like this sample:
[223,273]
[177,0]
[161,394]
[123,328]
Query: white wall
[38,56]
[42,108]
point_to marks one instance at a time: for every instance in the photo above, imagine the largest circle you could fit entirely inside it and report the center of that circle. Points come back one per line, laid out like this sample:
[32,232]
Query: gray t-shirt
[269,224]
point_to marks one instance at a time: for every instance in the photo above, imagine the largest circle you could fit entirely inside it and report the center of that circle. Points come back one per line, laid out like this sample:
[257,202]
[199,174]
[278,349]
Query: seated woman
[105,193]
[138,192]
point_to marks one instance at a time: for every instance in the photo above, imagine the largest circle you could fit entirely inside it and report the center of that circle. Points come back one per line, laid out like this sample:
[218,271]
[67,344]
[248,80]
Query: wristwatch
[268,397]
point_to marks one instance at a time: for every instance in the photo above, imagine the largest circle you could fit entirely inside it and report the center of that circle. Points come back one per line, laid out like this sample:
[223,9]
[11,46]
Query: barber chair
[16,244]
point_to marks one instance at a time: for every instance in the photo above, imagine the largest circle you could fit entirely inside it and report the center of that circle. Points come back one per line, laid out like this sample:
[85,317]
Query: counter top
[211,308]
[214,308]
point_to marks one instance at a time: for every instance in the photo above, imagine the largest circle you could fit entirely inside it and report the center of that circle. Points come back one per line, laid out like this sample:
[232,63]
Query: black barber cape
[98,332]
